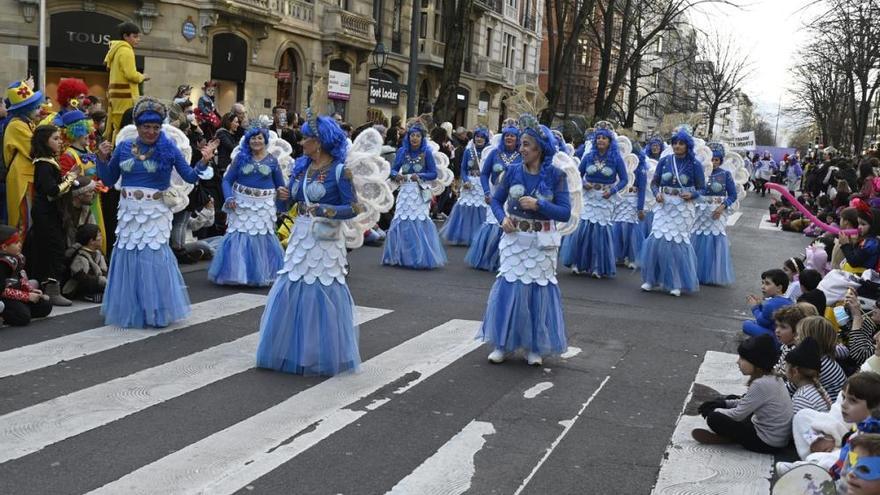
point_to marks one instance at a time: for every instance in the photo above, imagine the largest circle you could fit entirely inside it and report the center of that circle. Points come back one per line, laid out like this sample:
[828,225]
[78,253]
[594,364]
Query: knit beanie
[805,355]
[760,351]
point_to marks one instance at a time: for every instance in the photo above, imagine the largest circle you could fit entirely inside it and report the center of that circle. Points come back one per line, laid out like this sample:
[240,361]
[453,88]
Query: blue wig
[245,154]
[548,144]
[683,133]
[511,129]
[612,155]
[717,150]
[482,132]
[650,144]
[416,128]
[332,138]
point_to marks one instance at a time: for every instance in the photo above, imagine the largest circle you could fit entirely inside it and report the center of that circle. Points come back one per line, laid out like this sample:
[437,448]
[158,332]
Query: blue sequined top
[720,183]
[641,176]
[497,161]
[414,162]
[259,174]
[684,173]
[470,160]
[601,171]
[150,173]
[334,199]
[553,204]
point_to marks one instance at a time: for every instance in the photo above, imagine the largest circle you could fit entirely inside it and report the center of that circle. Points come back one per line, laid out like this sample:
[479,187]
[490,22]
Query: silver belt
[252,191]
[672,191]
[590,186]
[526,225]
[139,194]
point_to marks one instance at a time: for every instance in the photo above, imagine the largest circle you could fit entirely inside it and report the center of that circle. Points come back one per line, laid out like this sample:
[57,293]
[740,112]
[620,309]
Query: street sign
[283,76]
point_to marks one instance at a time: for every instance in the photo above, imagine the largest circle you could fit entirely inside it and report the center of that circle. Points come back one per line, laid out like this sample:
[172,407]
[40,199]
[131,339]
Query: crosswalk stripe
[766,224]
[31,429]
[451,467]
[230,459]
[50,352]
[689,467]
[733,218]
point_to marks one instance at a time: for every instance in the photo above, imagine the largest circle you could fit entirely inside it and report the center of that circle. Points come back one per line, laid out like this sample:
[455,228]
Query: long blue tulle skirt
[669,265]
[590,249]
[628,239]
[524,316]
[246,259]
[308,329]
[647,223]
[463,223]
[144,289]
[714,264]
[483,253]
[413,244]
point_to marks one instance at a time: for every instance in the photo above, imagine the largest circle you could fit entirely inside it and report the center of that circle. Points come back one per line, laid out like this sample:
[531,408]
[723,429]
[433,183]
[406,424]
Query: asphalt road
[184,411]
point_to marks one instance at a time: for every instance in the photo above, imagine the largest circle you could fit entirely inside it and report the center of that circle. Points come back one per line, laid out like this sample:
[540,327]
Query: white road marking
[733,218]
[233,458]
[567,424]
[537,389]
[689,467]
[50,352]
[765,224]
[29,430]
[451,468]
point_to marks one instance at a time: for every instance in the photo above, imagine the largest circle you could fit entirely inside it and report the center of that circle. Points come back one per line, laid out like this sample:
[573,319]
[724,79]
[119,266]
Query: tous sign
[89,38]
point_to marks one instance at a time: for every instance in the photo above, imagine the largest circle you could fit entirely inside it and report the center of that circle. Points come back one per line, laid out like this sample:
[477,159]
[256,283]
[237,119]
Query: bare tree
[719,74]
[821,93]
[456,15]
[566,20]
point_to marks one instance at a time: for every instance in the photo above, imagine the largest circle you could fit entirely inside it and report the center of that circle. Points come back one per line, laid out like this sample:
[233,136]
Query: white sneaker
[675,292]
[575,271]
[534,359]
[497,356]
[784,467]
[596,275]
[646,287]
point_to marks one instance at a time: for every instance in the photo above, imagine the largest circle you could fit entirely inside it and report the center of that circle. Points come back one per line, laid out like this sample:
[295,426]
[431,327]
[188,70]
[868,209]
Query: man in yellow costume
[124,77]
[24,108]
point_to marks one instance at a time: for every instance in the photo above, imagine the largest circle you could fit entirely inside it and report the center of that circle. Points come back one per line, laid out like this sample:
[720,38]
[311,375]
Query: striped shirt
[831,376]
[808,397]
[769,405]
[861,341]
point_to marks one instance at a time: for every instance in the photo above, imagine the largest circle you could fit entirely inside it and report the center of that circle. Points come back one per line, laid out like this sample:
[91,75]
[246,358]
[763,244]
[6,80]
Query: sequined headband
[604,124]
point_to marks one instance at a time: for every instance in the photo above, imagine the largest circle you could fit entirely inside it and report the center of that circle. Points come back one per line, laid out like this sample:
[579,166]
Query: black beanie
[760,351]
[805,355]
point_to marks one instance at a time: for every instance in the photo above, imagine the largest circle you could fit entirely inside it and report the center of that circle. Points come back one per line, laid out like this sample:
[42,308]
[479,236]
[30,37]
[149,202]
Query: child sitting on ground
[774,283]
[831,375]
[863,477]
[786,320]
[863,250]
[793,268]
[88,268]
[802,371]
[809,280]
[21,300]
[761,420]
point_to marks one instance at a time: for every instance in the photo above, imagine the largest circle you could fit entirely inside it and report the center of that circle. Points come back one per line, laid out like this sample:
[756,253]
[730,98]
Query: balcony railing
[530,22]
[490,68]
[297,9]
[510,11]
[347,27]
[528,78]
[489,5]
[261,4]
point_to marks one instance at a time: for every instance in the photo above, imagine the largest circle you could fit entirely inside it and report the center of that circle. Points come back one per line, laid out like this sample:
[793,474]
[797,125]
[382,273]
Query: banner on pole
[741,141]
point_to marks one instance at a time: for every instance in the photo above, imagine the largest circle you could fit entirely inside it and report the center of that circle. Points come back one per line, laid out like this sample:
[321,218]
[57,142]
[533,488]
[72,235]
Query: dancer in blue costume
[483,253]
[144,286]
[591,248]
[709,238]
[412,240]
[469,212]
[653,152]
[582,148]
[525,308]
[250,253]
[668,260]
[629,211]
[308,326]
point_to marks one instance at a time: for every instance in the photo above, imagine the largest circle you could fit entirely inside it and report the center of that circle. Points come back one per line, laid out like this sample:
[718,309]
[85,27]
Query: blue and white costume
[483,253]
[668,260]
[144,285]
[582,148]
[653,152]
[714,264]
[591,248]
[627,230]
[412,240]
[469,212]
[524,311]
[250,252]
[308,326]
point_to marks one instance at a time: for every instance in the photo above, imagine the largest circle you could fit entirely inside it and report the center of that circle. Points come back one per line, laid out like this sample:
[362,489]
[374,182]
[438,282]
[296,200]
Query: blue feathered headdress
[718,150]
[655,140]
[483,132]
[332,138]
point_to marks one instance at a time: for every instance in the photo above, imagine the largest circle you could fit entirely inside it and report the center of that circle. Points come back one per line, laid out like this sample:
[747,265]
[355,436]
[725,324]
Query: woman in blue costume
[525,308]
[250,253]
[144,286]
[653,151]
[412,240]
[709,237]
[668,260]
[591,248]
[582,148]
[628,213]
[483,253]
[308,326]
[469,212]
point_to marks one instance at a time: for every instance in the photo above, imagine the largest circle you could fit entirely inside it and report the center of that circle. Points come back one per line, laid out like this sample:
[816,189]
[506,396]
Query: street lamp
[380,56]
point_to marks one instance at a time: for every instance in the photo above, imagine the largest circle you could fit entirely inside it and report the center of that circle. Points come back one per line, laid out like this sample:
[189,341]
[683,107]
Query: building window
[396,35]
[489,42]
[509,50]
[438,28]
[423,25]
[525,53]
[342,4]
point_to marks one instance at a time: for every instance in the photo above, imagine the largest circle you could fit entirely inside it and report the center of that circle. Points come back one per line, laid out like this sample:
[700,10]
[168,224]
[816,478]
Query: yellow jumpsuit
[124,81]
[20,175]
